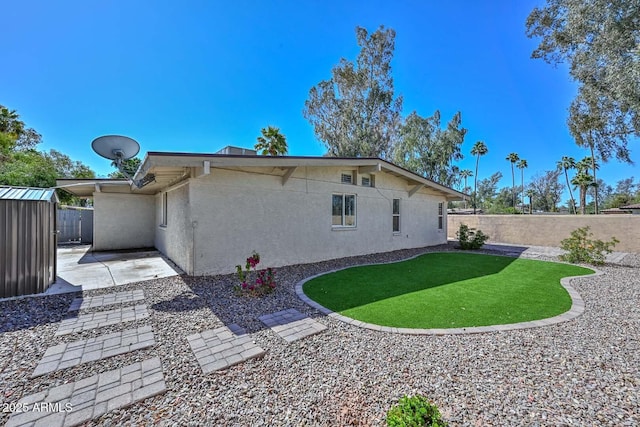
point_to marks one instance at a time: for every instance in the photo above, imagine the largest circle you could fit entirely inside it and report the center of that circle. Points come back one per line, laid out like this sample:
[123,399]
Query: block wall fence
[550,230]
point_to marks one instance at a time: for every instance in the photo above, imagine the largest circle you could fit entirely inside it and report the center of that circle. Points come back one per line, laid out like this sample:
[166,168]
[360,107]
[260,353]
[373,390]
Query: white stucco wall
[123,221]
[237,212]
[175,239]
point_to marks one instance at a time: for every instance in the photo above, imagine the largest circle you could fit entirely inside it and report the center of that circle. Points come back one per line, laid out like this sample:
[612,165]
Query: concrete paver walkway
[219,348]
[66,355]
[291,325]
[104,300]
[102,318]
[75,403]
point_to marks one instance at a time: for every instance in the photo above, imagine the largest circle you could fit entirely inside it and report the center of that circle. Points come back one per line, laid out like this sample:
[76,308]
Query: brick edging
[577,308]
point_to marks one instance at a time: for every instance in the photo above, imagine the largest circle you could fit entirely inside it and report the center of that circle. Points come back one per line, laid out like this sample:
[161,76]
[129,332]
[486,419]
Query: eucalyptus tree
[548,190]
[513,158]
[522,165]
[355,113]
[271,142]
[479,149]
[599,41]
[565,164]
[426,149]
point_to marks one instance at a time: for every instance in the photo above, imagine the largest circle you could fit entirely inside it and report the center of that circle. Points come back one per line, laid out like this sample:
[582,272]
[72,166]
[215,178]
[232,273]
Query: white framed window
[440,216]
[343,210]
[347,177]
[395,216]
[164,209]
[368,181]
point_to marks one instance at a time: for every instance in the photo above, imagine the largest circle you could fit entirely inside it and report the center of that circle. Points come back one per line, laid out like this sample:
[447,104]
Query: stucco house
[209,212]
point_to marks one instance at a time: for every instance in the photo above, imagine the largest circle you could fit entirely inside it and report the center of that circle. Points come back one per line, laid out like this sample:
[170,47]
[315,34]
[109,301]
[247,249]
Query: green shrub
[581,248]
[469,238]
[415,411]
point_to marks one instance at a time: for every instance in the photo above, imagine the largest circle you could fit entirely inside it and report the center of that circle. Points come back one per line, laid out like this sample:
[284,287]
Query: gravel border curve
[577,308]
[582,372]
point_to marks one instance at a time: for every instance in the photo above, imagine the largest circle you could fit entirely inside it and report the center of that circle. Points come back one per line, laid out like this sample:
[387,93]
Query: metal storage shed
[28,240]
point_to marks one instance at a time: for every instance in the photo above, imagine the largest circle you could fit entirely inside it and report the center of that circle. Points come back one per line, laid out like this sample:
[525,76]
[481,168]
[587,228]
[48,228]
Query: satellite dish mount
[120,148]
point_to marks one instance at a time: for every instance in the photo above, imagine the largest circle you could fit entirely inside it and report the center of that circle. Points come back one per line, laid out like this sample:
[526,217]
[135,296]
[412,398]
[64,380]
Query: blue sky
[194,76]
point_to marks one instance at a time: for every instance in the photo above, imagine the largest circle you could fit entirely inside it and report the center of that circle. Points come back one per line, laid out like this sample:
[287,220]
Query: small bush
[415,411]
[581,248]
[470,238]
[253,281]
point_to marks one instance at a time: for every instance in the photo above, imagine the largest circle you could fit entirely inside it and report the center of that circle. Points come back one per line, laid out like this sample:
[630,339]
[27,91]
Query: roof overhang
[163,169]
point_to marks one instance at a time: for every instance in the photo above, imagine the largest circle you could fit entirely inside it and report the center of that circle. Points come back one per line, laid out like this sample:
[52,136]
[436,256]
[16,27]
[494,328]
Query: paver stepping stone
[104,300]
[75,403]
[66,355]
[219,348]
[102,318]
[292,325]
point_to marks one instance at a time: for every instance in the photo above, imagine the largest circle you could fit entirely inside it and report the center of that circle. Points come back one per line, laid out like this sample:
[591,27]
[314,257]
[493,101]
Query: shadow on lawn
[352,287]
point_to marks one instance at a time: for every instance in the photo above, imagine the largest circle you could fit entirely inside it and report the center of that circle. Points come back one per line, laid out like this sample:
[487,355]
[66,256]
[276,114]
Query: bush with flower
[253,281]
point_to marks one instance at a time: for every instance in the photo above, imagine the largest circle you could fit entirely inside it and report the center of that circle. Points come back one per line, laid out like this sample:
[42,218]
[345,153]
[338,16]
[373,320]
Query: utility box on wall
[29,240]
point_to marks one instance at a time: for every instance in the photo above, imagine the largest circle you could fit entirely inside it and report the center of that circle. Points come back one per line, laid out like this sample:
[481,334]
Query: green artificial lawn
[447,290]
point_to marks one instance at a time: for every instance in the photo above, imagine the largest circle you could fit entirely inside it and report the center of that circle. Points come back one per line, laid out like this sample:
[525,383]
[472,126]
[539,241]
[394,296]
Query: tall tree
[513,158]
[130,167]
[530,193]
[599,40]
[522,165]
[272,142]
[479,149]
[14,135]
[355,113]
[464,174]
[426,149]
[565,164]
[583,181]
[548,190]
[487,189]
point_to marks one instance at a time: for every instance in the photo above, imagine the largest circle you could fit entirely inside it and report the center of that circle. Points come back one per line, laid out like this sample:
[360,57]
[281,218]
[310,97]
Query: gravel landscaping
[582,372]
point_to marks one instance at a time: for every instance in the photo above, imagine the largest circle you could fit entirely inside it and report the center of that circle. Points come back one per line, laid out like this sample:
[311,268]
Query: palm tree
[530,193]
[464,174]
[479,149]
[583,181]
[272,142]
[522,164]
[513,158]
[568,163]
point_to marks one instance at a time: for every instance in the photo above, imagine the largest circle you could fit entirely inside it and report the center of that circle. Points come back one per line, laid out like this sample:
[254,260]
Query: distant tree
[513,158]
[522,165]
[271,142]
[22,165]
[426,149]
[599,41]
[355,113]
[547,190]
[565,164]
[464,174]
[583,181]
[479,149]
[487,189]
[130,167]
[530,193]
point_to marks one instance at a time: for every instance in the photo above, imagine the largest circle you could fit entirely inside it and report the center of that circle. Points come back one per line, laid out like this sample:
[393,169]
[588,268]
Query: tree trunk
[573,201]
[595,179]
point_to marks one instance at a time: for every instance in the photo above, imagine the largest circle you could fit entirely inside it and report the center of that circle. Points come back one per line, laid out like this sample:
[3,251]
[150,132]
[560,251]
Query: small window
[368,181]
[440,216]
[164,209]
[343,210]
[346,178]
[396,215]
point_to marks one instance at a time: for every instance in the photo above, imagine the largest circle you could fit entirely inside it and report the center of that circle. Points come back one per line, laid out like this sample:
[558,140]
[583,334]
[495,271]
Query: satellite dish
[120,148]
[115,147]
